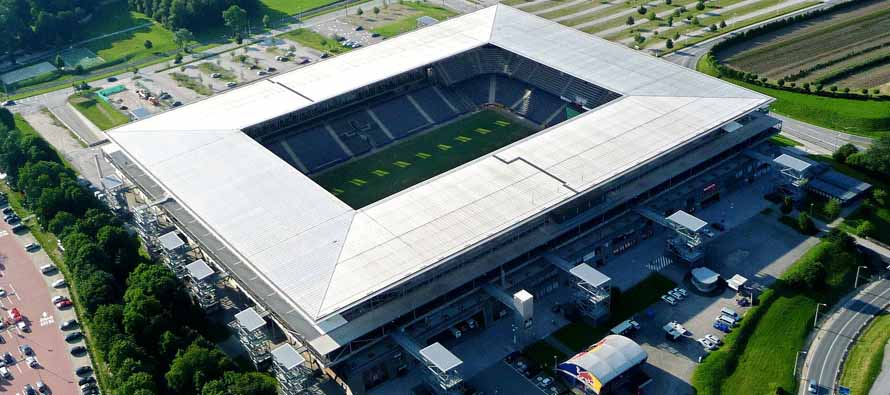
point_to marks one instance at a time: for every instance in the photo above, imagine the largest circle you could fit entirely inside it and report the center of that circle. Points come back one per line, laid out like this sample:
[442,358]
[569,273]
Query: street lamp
[856,280]
[816,318]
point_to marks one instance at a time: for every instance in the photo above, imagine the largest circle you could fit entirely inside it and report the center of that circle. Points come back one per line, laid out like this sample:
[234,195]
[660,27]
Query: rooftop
[322,256]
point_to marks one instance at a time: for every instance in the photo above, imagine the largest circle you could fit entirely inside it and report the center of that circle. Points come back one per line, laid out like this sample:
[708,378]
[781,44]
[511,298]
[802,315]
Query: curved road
[838,333]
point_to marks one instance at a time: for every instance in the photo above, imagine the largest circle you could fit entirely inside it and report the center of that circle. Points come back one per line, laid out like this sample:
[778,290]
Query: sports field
[422,157]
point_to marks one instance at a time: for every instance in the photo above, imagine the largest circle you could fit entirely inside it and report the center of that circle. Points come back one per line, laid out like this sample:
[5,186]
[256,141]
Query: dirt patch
[368,20]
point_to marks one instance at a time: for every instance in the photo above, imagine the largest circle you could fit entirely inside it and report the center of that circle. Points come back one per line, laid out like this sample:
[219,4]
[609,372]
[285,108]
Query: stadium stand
[550,79]
[315,148]
[400,117]
[476,89]
[539,106]
[509,91]
[433,105]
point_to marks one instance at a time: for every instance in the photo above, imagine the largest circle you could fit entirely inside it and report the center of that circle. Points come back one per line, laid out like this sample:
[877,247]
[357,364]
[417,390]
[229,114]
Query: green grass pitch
[412,161]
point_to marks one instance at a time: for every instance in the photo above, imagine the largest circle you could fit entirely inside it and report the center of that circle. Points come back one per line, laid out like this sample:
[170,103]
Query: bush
[642,10]
[805,224]
[7,120]
[880,196]
[866,229]
[787,205]
[843,152]
[832,209]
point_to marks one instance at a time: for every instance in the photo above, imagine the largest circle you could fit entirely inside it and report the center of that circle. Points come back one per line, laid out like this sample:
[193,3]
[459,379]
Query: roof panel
[439,356]
[249,319]
[199,270]
[687,221]
[288,357]
[589,275]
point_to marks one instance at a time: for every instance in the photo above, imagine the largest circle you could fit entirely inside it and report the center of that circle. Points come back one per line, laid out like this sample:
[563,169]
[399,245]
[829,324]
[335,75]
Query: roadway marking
[14,293]
[46,319]
[839,333]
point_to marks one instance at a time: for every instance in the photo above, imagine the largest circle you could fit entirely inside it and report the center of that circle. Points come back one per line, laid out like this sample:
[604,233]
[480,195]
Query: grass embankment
[409,23]
[131,45]
[100,113]
[758,356]
[314,40]
[422,157]
[783,141]
[293,7]
[578,335]
[863,364]
[861,117]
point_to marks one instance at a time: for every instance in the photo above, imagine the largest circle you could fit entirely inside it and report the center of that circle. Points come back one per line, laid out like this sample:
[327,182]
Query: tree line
[140,321]
[39,24]
[194,15]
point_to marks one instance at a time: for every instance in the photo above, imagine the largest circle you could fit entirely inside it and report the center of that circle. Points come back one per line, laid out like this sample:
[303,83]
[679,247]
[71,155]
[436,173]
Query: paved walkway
[560,6]
[707,13]
[584,12]
[610,17]
[882,383]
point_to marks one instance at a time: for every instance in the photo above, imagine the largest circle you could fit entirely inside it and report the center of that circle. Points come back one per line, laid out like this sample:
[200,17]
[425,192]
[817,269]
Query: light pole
[816,318]
[856,280]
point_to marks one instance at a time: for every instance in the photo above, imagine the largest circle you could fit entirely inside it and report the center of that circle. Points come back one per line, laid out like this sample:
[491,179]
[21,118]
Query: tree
[6,118]
[195,366]
[876,158]
[182,37]
[267,22]
[652,16]
[96,288]
[642,10]
[807,276]
[787,205]
[676,36]
[866,229]
[722,24]
[105,326]
[249,383]
[806,86]
[639,38]
[235,18]
[670,21]
[843,152]
[178,58]
[668,2]
[713,28]
[832,209]
[805,223]
[700,5]
[60,63]
[629,21]
[880,196]
[147,44]
[359,11]
[669,44]
[833,88]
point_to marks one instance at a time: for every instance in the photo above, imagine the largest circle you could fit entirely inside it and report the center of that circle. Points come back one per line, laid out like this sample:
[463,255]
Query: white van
[727,319]
[4,371]
[729,312]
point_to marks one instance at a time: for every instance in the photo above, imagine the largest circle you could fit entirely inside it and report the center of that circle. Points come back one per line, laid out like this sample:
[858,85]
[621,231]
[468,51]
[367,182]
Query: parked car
[261,72]
[8,211]
[86,380]
[231,84]
[675,295]
[60,283]
[215,75]
[63,304]
[813,388]
[707,344]
[2,293]
[66,325]
[112,79]
[4,372]
[41,387]
[58,298]
[29,390]
[83,370]
[32,362]
[31,247]
[47,269]
[9,103]
[73,336]
[177,104]
[78,350]
[714,339]
[722,326]
[8,358]
[18,228]
[671,301]
[26,349]
[681,291]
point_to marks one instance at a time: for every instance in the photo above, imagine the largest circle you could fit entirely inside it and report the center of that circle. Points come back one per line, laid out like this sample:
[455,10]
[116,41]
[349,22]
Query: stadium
[373,203]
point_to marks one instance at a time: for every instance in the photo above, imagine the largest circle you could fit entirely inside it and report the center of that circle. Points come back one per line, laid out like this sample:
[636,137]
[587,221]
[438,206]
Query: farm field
[416,159]
[821,48]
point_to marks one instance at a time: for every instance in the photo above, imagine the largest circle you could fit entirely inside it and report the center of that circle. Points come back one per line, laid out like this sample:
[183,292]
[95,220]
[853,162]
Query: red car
[63,303]
[15,315]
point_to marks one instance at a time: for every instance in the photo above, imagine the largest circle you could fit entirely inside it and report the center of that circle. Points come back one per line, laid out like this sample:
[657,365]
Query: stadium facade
[354,287]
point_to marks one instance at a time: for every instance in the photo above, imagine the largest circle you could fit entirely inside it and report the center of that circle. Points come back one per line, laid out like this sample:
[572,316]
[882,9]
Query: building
[363,288]
[609,364]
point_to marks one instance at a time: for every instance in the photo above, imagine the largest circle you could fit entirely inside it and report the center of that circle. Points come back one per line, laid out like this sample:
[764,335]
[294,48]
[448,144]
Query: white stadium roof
[321,255]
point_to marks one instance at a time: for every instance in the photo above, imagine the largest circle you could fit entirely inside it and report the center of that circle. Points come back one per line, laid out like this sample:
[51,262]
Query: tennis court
[82,57]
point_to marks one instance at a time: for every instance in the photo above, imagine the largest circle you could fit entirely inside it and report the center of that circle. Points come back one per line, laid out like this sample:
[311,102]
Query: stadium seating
[316,148]
[493,60]
[549,79]
[539,106]
[433,105]
[400,116]
[360,123]
[476,89]
[592,94]
[508,90]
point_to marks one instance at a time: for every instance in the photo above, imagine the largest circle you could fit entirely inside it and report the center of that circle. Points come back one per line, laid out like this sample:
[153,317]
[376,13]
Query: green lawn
[100,113]
[578,335]
[864,361]
[879,217]
[210,68]
[131,45]
[410,23]
[314,40]
[862,117]
[419,158]
[109,18]
[293,7]
[542,354]
[191,83]
[784,141]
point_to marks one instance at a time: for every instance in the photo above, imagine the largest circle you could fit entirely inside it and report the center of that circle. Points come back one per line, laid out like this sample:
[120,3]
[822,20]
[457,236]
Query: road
[837,334]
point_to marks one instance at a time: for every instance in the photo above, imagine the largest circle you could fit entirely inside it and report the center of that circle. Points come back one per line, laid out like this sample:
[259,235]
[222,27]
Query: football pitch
[412,161]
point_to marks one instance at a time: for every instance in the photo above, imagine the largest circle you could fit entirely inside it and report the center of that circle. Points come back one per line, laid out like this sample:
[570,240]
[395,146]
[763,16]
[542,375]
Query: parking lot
[30,292]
